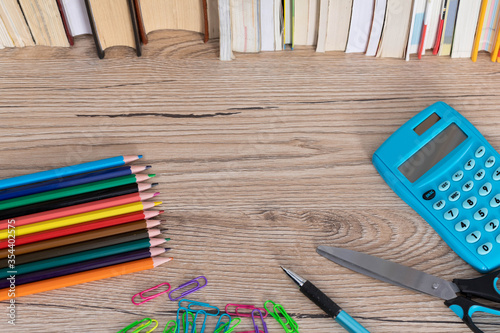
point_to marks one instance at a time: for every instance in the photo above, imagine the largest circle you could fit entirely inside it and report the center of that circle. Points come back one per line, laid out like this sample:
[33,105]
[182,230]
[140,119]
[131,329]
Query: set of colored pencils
[77,224]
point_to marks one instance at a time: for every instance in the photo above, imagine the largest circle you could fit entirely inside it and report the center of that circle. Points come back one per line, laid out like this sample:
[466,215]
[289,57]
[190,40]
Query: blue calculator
[441,166]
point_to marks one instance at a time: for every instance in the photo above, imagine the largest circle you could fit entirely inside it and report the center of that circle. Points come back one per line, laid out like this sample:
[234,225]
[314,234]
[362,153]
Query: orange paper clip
[148,298]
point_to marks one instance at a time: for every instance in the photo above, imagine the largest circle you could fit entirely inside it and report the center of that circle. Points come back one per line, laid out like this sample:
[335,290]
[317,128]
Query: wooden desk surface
[259,161]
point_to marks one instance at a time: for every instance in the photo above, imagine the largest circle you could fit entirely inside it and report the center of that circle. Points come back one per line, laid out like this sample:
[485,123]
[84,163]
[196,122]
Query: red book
[65,23]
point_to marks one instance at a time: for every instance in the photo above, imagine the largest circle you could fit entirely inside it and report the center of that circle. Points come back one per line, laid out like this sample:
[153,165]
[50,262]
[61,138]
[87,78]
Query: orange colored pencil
[480,22]
[494,54]
[82,277]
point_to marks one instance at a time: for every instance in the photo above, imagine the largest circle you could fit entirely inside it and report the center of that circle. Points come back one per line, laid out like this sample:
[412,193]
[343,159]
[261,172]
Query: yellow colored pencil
[494,54]
[482,13]
[78,218]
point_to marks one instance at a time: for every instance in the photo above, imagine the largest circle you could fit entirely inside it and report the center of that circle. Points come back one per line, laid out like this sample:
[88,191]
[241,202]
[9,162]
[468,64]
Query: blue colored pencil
[67,171]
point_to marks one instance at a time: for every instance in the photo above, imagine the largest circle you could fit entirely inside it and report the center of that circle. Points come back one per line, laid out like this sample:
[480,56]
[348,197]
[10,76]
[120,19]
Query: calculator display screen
[433,152]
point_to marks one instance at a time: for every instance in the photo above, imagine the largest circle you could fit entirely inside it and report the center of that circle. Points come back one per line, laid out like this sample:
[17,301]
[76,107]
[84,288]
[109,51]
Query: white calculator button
[480,152]
[451,214]
[469,165]
[444,186]
[485,248]
[490,162]
[485,189]
[438,205]
[498,239]
[495,202]
[469,203]
[480,174]
[462,225]
[468,186]
[458,176]
[492,225]
[473,237]
[496,174]
[454,196]
[481,214]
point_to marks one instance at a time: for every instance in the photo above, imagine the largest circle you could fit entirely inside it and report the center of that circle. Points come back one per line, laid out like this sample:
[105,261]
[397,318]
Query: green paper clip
[172,328]
[278,312]
[231,328]
[143,323]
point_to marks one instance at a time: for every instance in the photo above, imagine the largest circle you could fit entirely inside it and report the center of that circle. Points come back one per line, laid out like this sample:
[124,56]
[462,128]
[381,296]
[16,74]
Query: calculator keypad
[471,199]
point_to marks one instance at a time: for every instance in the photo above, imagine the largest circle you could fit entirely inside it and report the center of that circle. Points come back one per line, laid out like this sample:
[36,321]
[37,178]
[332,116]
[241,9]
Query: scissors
[457,294]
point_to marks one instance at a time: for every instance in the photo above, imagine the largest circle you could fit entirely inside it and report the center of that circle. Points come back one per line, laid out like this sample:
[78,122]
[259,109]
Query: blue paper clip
[193,329]
[187,292]
[183,321]
[221,323]
[171,328]
[290,326]
[264,326]
[203,306]
[143,323]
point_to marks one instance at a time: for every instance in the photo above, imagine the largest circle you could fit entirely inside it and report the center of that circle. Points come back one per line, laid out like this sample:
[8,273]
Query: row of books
[381,28]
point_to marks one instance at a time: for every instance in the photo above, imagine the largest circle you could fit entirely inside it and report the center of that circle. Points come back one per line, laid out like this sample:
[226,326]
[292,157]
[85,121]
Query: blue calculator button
[458,176]
[429,195]
[454,196]
[451,214]
[481,214]
[496,174]
[485,189]
[480,174]
[480,152]
[490,162]
[444,186]
[485,248]
[469,203]
[473,237]
[468,186]
[495,202]
[469,165]
[462,225]
[492,225]
[438,205]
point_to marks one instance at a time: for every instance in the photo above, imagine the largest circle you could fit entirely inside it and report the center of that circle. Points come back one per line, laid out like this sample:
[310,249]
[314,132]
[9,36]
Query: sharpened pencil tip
[167,249]
[161,212]
[151,175]
[167,239]
[154,184]
[157,203]
[156,193]
[139,156]
[148,167]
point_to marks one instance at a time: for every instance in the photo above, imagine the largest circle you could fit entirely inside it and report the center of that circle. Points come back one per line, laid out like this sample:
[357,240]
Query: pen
[326,304]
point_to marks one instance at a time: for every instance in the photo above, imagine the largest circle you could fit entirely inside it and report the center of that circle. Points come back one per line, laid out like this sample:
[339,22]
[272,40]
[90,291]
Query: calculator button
[470,164]
[485,248]
[473,237]
[492,225]
[444,186]
[429,195]
[451,214]
[438,205]
[458,176]
[480,152]
[481,214]
[454,196]
[490,162]
[480,174]
[498,239]
[495,202]
[469,203]
[462,225]
[485,189]
[496,174]
[468,186]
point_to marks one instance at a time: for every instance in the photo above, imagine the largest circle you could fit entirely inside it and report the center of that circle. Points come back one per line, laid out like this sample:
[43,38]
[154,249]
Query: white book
[312,29]
[395,33]
[361,22]
[465,28]
[76,15]
[301,22]
[435,17]
[377,25]
[339,19]
[226,52]
[245,27]
[267,25]
[5,40]
[489,31]
[417,22]
[322,26]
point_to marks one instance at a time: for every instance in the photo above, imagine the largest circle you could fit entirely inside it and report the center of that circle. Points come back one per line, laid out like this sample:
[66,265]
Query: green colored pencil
[73,190]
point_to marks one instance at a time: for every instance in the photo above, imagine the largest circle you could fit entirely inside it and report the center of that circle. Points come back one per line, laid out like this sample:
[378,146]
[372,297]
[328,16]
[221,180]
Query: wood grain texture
[259,161]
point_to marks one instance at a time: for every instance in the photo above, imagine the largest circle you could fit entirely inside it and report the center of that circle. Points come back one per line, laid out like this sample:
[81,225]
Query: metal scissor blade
[391,272]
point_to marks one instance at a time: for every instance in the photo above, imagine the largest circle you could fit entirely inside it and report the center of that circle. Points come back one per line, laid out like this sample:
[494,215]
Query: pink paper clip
[148,298]
[237,313]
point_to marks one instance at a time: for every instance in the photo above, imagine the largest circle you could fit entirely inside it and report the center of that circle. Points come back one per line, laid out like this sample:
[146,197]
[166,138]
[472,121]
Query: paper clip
[143,323]
[236,312]
[228,327]
[220,322]
[191,304]
[290,326]
[148,298]
[187,292]
[183,321]
[171,328]
[202,330]
[264,326]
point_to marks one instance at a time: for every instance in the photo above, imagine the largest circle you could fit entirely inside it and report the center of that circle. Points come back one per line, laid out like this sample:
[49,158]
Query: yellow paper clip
[278,312]
[171,328]
[143,323]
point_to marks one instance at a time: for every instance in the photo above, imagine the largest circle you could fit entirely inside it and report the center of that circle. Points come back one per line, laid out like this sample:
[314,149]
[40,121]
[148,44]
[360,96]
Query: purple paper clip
[187,292]
[264,326]
[148,298]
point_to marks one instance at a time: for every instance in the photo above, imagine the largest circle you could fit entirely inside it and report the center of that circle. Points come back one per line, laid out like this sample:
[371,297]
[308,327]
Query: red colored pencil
[435,50]
[82,208]
[81,227]
[424,29]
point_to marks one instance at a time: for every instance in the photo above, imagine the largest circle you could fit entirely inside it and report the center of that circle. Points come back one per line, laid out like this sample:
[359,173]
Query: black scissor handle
[484,286]
[465,308]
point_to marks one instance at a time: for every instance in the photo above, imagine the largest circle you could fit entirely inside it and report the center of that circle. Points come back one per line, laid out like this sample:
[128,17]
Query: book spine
[140,22]
[65,23]
[135,25]
[100,51]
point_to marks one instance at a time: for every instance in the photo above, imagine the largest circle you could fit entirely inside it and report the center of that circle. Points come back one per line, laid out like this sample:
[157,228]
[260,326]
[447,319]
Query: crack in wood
[165,115]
